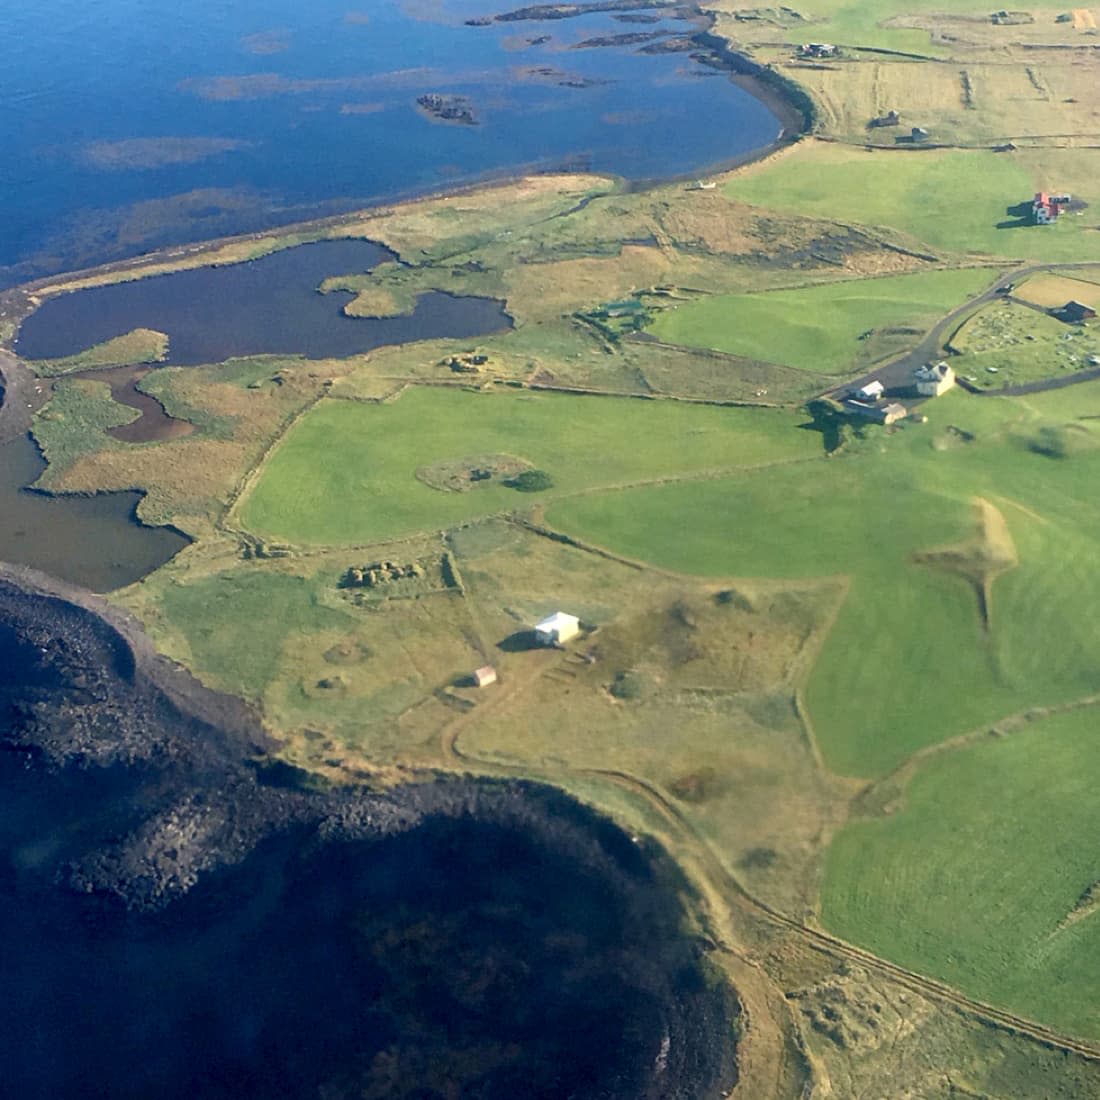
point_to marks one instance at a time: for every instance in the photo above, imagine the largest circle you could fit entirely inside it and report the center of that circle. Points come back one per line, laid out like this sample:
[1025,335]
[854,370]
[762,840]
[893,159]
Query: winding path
[734,892]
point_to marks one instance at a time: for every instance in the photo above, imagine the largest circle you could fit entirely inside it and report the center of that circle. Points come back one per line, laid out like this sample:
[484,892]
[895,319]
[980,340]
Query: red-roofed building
[1046,208]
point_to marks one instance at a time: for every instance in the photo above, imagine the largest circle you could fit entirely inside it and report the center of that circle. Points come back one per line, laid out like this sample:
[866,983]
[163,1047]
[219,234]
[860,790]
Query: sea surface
[131,124]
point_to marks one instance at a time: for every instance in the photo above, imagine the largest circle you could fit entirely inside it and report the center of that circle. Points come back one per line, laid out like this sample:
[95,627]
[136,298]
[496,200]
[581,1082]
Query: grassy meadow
[218,616]
[955,200]
[855,24]
[819,328]
[321,662]
[909,661]
[346,473]
[974,878]
[74,422]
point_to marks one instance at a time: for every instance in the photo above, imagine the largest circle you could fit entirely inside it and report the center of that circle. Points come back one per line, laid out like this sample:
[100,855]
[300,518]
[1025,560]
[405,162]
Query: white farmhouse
[933,379]
[557,629]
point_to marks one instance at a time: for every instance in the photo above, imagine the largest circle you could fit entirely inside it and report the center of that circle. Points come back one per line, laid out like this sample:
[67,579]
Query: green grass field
[908,662]
[954,199]
[852,24]
[218,615]
[819,328]
[346,473]
[856,24]
[970,881]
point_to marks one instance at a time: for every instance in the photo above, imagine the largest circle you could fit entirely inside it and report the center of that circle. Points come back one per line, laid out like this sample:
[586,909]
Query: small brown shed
[485,676]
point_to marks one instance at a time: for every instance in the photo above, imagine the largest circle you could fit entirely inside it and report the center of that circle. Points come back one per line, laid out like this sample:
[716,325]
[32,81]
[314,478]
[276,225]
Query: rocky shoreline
[17,397]
[162,788]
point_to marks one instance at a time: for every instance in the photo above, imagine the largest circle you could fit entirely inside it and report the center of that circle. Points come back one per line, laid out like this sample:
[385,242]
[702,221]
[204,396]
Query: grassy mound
[909,661]
[142,345]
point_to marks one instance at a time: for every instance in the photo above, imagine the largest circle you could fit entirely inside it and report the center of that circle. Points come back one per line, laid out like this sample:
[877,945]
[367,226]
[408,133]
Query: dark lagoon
[129,126]
[265,306]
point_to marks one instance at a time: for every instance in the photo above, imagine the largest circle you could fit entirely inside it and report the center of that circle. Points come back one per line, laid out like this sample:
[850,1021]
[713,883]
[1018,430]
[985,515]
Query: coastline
[228,713]
[792,107]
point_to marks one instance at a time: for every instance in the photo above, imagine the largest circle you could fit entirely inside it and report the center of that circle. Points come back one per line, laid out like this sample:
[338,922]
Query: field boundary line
[826,942]
[248,479]
[1009,724]
[712,473]
[808,731]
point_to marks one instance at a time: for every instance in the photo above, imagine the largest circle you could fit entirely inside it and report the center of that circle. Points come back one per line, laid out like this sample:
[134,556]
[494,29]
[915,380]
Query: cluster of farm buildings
[872,402]
[552,633]
[1047,208]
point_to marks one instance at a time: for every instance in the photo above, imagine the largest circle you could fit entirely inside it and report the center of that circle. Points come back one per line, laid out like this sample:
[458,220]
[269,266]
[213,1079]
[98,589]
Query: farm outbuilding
[881,412]
[818,50]
[1045,208]
[1075,312]
[557,629]
[872,391]
[485,676]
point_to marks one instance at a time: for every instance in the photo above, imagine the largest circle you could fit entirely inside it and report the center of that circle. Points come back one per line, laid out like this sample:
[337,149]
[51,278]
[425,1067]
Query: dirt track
[834,945]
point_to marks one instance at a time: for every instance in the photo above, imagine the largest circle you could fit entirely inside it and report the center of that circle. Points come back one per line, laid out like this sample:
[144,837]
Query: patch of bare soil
[980,559]
[850,1010]
[952,437]
[708,643]
[1087,904]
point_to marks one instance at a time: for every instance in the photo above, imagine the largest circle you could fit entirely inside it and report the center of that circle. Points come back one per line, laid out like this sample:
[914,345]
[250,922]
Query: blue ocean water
[130,124]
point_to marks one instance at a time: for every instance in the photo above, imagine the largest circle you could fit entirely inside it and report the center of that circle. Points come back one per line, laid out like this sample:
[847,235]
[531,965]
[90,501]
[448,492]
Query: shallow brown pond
[94,541]
[154,425]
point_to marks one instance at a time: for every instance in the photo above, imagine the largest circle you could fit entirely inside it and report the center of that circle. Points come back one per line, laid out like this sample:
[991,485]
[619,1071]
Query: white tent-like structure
[557,629]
